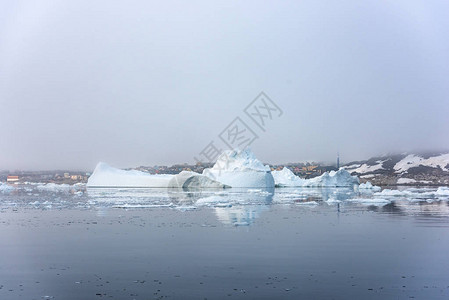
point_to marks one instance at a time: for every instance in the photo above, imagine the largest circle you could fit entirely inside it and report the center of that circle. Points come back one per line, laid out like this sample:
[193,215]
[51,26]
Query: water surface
[73,243]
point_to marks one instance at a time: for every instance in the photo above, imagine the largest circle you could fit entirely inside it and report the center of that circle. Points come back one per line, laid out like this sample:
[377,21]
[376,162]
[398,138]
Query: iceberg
[106,176]
[340,178]
[285,177]
[369,186]
[240,169]
[442,191]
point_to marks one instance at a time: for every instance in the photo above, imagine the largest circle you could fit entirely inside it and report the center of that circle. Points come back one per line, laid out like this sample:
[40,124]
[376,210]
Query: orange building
[12,178]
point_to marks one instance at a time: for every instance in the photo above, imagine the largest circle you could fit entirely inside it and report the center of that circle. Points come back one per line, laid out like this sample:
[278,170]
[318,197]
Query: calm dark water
[69,243]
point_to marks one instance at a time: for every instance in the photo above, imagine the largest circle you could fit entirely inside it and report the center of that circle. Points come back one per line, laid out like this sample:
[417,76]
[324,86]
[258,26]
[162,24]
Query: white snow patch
[412,160]
[367,176]
[405,180]
[365,168]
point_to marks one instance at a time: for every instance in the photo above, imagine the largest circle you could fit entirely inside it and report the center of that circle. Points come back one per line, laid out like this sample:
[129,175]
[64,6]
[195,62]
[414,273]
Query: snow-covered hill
[406,168]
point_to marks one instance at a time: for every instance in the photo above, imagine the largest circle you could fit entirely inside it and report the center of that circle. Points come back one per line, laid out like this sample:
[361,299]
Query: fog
[145,83]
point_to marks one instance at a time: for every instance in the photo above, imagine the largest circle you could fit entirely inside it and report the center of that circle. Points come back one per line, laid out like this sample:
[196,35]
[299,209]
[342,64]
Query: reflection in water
[239,215]
[233,206]
[244,206]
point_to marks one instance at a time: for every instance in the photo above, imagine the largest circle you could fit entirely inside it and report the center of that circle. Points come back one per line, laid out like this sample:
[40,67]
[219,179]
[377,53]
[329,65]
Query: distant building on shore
[12,178]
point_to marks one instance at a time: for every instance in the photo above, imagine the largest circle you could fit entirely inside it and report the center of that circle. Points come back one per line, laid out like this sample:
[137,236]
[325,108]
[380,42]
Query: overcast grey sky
[142,82]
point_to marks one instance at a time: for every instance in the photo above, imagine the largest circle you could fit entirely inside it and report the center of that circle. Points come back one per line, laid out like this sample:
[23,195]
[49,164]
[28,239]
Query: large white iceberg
[340,178]
[107,176]
[240,169]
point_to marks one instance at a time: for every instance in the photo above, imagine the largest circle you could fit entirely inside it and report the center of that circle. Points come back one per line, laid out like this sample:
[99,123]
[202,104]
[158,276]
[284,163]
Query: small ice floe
[209,201]
[340,178]
[291,195]
[332,201]
[61,188]
[368,186]
[259,192]
[223,204]
[417,194]
[127,205]
[390,193]
[240,224]
[370,201]
[185,208]
[6,188]
[442,191]
[307,203]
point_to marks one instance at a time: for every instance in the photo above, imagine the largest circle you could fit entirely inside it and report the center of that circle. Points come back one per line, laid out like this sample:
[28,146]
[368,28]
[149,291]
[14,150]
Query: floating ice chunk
[185,208]
[307,203]
[442,191]
[391,193]
[368,186]
[6,188]
[340,178]
[415,193]
[129,205]
[240,168]
[212,201]
[241,224]
[370,201]
[58,188]
[333,201]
